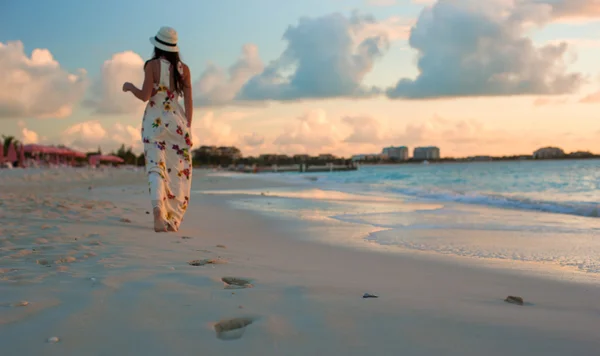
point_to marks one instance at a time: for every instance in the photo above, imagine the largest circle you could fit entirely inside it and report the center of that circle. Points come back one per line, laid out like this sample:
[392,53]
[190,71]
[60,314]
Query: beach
[83,273]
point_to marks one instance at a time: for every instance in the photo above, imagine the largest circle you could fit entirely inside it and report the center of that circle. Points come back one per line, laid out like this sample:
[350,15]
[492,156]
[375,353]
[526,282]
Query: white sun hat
[165,39]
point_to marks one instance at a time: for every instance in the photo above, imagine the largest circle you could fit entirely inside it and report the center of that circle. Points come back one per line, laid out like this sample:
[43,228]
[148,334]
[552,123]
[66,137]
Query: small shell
[53,340]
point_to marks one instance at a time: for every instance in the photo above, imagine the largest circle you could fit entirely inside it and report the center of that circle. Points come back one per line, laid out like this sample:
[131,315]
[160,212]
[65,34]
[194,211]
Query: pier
[302,168]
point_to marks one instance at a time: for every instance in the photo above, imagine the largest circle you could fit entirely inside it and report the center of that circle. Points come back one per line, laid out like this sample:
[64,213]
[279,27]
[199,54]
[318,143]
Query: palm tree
[8,140]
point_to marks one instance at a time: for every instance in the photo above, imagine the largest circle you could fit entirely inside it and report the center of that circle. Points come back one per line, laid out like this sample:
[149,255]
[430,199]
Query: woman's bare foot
[159,223]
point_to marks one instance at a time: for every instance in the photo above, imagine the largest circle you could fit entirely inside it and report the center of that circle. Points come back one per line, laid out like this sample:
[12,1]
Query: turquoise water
[567,187]
[540,215]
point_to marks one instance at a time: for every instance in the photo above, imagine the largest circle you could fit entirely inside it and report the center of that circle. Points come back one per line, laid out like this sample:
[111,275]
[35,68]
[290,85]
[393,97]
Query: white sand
[103,286]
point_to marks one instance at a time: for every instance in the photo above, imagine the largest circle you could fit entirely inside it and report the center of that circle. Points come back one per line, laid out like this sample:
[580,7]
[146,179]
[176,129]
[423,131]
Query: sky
[494,77]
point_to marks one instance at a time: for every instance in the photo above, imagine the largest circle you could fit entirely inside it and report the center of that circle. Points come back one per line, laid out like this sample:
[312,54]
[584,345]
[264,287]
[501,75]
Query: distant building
[225,151]
[480,158]
[548,153]
[366,157]
[395,153]
[430,152]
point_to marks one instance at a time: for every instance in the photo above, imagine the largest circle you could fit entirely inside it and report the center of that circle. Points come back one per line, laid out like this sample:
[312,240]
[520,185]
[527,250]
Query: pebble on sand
[221,246]
[367,295]
[514,300]
[236,283]
[125,220]
[53,340]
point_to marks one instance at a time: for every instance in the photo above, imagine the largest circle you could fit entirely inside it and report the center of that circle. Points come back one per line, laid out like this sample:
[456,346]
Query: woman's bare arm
[146,92]
[187,95]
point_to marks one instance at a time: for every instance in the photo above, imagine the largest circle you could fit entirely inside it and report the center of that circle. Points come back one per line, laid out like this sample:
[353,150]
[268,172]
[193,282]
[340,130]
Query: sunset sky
[312,76]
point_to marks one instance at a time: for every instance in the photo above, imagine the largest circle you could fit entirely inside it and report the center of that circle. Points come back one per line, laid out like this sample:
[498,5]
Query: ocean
[536,216]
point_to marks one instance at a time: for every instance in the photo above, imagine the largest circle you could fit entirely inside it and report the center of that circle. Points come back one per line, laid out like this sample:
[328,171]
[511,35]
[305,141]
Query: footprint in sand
[15,305]
[232,329]
[236,283]
[211,261]
[68,259]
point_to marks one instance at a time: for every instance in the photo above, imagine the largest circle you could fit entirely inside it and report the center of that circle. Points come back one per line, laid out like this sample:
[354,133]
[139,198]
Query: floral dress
[167,145]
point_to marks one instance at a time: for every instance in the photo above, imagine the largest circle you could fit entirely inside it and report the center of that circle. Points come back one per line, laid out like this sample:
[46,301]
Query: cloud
[574,8]
[456,137]
[322,60]
[310,133]
[365,129]
[107,96]
[217,87]
[315,133]
[28,136]
[478,48]
[549,101]
[36,87]
[392,29]
[253,140]
[382,3]
[210,129]
[89,135]
[591,98]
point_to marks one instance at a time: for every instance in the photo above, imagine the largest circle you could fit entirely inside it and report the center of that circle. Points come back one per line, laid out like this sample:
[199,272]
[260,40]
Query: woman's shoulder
[152,62]
[183,68]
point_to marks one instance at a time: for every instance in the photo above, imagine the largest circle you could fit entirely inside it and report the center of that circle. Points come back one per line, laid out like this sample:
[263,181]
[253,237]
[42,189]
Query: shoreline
[257,189]
[139,295]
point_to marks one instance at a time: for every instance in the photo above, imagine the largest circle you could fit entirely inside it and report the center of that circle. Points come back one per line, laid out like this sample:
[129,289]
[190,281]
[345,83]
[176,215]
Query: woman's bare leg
[160,225]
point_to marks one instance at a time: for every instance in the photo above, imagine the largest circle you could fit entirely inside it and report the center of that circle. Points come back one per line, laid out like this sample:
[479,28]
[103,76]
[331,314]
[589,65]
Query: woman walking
[166,130]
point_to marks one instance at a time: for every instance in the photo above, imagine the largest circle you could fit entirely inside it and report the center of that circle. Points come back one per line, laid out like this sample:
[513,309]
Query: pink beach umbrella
[112,158]
[22,157]
[95,159]
[12,153]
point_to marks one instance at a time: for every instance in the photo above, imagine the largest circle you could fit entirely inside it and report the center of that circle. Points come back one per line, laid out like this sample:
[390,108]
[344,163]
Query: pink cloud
[549,101]
[107,96]
[36,86]
[592,98]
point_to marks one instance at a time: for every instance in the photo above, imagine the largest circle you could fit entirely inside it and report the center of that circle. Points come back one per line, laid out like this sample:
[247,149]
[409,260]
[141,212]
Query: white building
[548,152]
[397,153]
[430,152]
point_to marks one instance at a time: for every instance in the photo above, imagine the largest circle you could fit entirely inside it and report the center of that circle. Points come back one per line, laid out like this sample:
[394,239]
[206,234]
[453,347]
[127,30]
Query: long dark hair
[173,58]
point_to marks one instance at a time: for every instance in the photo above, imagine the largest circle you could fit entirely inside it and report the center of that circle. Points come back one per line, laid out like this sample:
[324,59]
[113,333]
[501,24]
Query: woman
[166,130]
